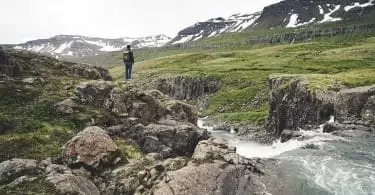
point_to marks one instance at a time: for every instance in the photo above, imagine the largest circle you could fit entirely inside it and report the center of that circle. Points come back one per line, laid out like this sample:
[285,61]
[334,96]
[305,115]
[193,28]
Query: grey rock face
[185,87]
[292,105]
[8,65]
[67,106]
[170,140]
[66,183]
[94,92]
[356,104]
[90,72]
[12,169]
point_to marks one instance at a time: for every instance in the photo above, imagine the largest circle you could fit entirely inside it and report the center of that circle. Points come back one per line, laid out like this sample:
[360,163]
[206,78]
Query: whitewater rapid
[331,165]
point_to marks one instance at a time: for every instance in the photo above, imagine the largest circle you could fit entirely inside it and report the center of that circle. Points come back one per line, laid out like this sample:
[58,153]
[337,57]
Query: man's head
[128,47]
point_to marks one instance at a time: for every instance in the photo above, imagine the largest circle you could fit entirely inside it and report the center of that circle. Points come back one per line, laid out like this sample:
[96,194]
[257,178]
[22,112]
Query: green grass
[39,130]
[244,73]
[228,42]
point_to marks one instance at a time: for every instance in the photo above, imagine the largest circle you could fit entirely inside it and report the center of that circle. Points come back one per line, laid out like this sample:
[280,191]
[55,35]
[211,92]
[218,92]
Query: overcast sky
[23,20]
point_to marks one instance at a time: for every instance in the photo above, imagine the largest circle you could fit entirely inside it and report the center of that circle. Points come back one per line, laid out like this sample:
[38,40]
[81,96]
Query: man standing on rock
[128,61]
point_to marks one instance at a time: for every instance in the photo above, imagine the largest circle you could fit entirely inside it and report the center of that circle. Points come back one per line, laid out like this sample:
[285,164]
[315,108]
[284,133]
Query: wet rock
[331,127]
[289,134]
[353,133]
[368,112]
[94,92]
[12,169]
[67,106]
[293,105]
[92,148]
[311,147]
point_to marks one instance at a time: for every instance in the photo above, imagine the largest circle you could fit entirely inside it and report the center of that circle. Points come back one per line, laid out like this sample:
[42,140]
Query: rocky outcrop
[216,169]
[146,108]
[356,105]
[66,106]
[180,111]
[8,65]
[90,72]
[292,105]
[66,183]
[94,92]
[15,168]
[167,138]
[185,87]
[91,148]
[293,13]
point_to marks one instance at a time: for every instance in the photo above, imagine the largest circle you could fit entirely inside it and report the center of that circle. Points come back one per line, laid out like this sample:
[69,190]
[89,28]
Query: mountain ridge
[284,14]
[79,46]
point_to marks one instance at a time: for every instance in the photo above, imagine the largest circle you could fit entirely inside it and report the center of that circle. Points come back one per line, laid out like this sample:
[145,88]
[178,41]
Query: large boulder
[180,139]
[212,149]
[94,92]
[12,169]
[356,105]
[92,148]
[182,112]
[146,108]
[66,106]
[66,183]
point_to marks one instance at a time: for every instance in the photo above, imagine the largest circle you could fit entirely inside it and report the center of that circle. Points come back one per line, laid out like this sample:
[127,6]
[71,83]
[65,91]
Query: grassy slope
[225,42]
[40,131]
[244,72]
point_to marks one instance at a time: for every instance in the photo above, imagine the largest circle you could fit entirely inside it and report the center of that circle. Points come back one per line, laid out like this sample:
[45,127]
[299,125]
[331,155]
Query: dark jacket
[128,56]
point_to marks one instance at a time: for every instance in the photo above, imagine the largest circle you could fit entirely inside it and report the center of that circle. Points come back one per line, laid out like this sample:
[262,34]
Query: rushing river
[332,165]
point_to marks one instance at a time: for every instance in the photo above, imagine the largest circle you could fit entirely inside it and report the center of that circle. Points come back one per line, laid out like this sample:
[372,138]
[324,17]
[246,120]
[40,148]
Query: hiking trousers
[128,70]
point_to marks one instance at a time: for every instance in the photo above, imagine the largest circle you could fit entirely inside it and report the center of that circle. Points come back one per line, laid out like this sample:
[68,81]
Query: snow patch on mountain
[216,26]
[327,16]
[80,46]
[357,4]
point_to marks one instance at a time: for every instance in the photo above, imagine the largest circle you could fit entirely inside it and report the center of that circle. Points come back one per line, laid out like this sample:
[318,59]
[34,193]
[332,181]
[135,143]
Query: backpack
[127,56]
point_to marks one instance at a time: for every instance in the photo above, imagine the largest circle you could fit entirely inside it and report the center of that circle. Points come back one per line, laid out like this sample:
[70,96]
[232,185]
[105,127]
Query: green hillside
[235,41]
[244,72]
